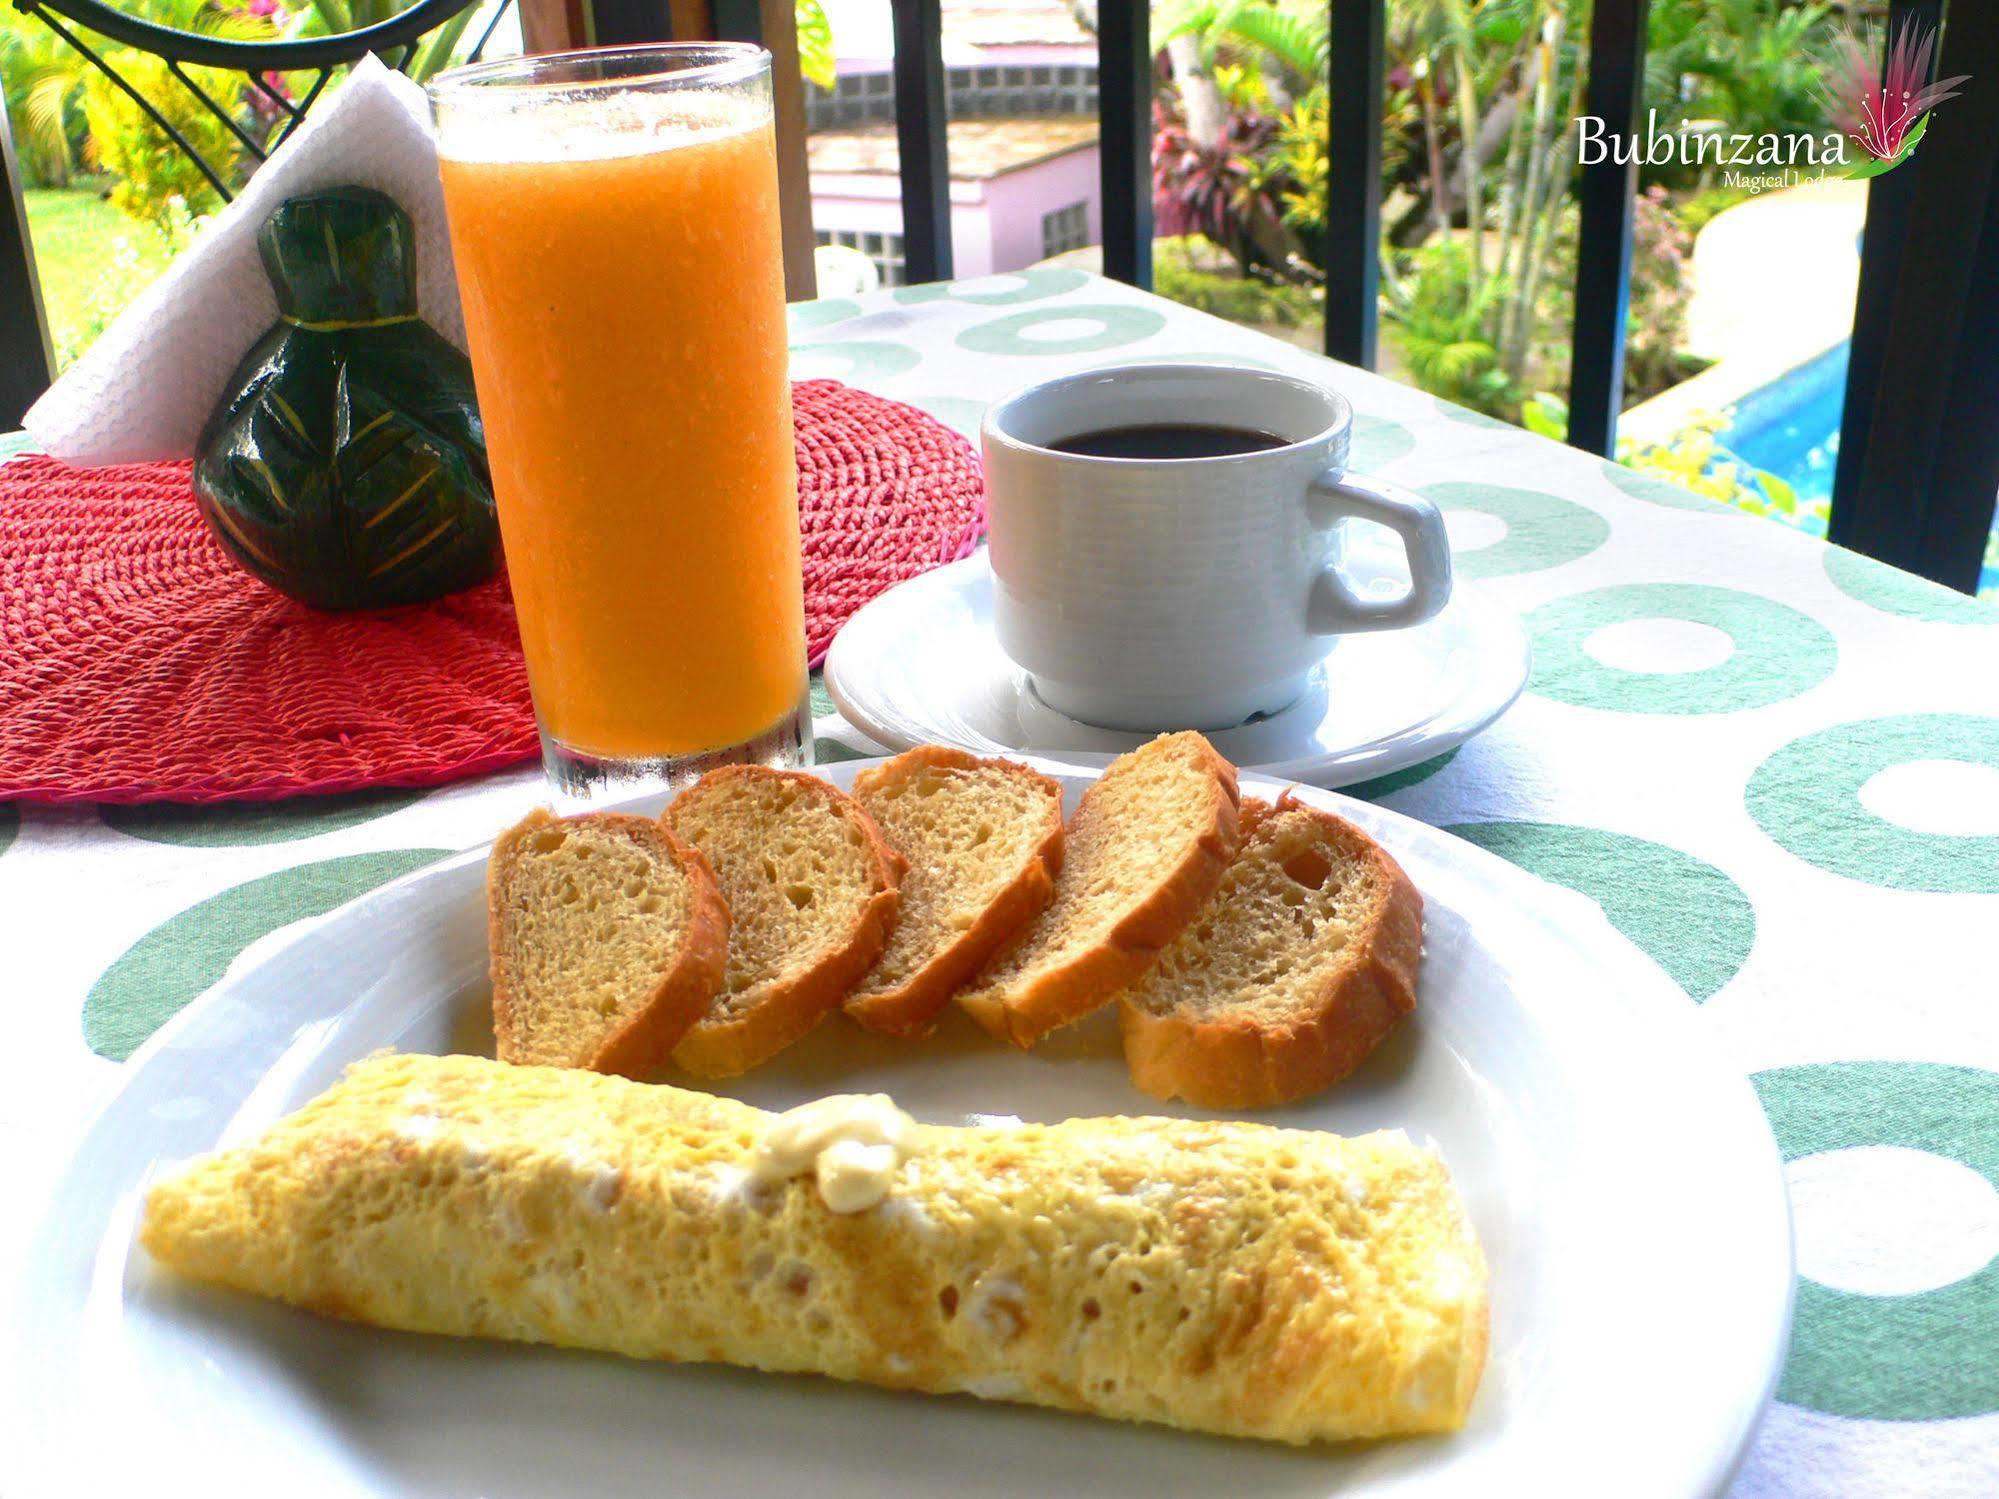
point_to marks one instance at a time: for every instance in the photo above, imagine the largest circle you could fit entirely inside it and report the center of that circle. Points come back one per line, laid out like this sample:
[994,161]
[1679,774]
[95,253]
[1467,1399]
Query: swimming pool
[1790,428]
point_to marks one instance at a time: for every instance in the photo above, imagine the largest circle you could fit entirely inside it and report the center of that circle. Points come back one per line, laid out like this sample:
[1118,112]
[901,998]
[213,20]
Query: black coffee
[1178,440]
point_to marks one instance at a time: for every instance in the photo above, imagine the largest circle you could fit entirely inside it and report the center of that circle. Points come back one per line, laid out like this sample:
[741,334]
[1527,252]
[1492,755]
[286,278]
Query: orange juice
[620,272]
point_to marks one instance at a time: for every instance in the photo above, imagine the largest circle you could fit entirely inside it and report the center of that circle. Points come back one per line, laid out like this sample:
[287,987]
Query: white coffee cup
[1171,593]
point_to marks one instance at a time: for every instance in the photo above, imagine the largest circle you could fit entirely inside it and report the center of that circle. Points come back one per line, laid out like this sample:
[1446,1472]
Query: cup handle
[1334,608]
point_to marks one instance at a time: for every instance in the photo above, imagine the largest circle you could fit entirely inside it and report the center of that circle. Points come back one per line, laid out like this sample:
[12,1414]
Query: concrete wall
[1016,202]
[874,204]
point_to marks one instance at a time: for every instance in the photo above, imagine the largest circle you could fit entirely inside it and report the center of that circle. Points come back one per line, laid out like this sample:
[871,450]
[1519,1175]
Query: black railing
[921,147]
[1919,445]
[1615,74]
[1359,42]
[1918,465]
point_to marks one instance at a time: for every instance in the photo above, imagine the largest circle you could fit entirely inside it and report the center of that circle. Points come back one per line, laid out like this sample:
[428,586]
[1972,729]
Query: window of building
[885,250]
[972,92]
[1065,229]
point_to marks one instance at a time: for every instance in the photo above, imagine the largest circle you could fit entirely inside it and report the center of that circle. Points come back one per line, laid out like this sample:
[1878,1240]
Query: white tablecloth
[1774,764]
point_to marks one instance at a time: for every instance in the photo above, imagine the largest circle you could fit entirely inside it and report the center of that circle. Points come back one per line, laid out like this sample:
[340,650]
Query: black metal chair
[26,361]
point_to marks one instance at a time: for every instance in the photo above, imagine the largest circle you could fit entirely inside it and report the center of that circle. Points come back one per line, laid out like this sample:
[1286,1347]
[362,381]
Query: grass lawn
[92,260]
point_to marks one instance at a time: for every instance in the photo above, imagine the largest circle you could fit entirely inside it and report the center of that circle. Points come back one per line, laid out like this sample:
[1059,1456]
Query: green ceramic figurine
[347,466]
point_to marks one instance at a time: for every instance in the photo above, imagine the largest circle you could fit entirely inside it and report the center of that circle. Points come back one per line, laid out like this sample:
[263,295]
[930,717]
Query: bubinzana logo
[1878,115]
[1596,143]
[1886,113]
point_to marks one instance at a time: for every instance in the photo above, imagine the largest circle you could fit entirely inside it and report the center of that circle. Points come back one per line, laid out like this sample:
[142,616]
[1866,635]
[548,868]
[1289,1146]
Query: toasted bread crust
[1066,992]
[642,1044]
[1240,1062]
[911,1008]
[793,1004]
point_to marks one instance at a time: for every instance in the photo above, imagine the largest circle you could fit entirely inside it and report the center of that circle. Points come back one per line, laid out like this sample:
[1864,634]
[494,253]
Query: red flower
[1879,112]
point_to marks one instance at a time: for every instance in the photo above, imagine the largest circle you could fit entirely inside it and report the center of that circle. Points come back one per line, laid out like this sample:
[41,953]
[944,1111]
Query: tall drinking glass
[614,221]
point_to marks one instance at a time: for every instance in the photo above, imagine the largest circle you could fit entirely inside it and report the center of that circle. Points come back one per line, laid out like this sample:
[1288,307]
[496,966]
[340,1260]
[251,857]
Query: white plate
[919,665]
[1622,1180]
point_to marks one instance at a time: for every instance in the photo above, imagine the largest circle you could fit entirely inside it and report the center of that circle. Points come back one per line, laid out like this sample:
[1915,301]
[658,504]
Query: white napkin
[146,387]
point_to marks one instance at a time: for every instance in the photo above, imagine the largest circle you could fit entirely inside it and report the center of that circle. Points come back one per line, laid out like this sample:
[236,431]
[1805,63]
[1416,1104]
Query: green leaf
[1546,416]
[434,56]
[817,60]
[1780,494]
[335,14]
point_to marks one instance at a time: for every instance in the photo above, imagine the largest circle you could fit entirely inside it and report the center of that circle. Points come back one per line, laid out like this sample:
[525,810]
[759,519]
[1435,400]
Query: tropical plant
[817,59]
[1190,270]
[1292,34]
[434,52]
[42,99]
[1695,459]
[156,181]
[1218,189]
[1297,171]
[1733,65]
[50,86]
[1479,149]
[1440,315]
[1655,324]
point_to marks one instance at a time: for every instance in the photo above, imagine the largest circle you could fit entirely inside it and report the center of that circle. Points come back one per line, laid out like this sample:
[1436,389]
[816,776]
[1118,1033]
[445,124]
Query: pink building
[1022,85]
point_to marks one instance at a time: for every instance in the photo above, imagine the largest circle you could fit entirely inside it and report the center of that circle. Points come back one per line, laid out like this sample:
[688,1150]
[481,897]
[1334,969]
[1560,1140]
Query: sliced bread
[982,840]
[1304,960]
[1143,853]
[607,937]
[812,898]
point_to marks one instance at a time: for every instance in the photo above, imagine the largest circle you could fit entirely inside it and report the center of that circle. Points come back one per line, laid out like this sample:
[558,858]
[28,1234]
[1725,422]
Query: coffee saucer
[920,665]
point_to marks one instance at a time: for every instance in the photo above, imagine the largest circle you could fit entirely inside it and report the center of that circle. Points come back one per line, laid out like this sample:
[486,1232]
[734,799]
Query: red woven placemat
[884,493]
[137,663]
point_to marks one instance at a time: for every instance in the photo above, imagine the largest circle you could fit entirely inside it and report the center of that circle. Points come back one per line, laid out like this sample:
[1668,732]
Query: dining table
[1773,763]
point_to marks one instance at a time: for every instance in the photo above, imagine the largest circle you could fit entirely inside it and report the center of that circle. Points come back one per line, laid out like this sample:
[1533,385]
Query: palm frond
[46,110]
[1298,42]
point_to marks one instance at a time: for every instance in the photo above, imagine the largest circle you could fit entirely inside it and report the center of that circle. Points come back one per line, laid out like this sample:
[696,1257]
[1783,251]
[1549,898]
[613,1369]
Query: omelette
[1210,1275]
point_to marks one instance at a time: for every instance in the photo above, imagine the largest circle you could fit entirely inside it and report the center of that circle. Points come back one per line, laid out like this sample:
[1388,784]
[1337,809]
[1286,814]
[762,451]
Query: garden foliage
[1478,160]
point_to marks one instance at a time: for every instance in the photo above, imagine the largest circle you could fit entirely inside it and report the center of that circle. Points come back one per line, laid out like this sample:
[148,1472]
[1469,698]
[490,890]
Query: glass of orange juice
[614,221]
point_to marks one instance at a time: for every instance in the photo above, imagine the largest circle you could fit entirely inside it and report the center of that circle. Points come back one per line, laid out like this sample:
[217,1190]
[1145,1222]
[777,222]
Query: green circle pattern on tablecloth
[1893,591]
[1646,890]
[1806,796]
[1470,418]
[1116,324]
[245,824]
[1542,530]
[1656,491]
[1928,1356]
[1047,281]
[155,978]
[1778,652]
[865,359]
[805,316]
[827,750]
[1378,441]
[1399,780]
[833,752]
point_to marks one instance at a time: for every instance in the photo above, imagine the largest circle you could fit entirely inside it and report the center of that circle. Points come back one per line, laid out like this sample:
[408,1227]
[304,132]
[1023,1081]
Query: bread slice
[1143,853]
[1305,959]
[982,840]
[607,939]
[812,898]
